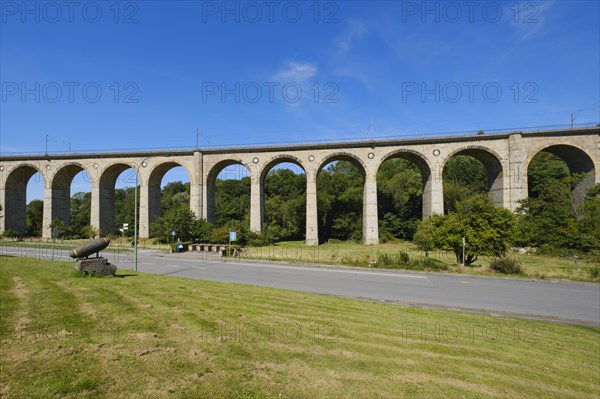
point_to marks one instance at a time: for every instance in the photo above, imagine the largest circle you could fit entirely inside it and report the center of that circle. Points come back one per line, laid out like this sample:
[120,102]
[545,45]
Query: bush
[506,265]
[402,261]
[595,272]
[390,261]
[12,233]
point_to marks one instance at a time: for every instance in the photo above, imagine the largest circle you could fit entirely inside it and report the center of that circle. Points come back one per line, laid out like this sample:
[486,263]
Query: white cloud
[530,19]
[296,72]
[355,30]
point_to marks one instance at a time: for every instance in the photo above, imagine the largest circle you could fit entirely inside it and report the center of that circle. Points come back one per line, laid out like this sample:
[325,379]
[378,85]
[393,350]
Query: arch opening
[283,200]
[340,191]
[401,182]
[71,202]
[228,195]
[470,172]
[561,168]
[22,183]
[168,189]
[117,188]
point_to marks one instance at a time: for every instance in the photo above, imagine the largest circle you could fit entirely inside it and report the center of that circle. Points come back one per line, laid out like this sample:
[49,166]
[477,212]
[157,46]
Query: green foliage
[426,237]
[285,205]
[590,220]
[399,199]
[487,230]
[220,234]
[232,200]
[548,219]
[183,221]
[339,201]
[12,233]
[463,177]
[34,218]
[506,265]
[402,260]
[545,169]
[174,194]
[124,209]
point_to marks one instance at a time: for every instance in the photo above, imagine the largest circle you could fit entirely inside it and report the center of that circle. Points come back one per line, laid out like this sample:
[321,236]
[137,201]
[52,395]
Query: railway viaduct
[505,157]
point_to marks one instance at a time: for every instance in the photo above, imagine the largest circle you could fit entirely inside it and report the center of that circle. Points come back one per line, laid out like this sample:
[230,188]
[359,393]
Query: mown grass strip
[149,336]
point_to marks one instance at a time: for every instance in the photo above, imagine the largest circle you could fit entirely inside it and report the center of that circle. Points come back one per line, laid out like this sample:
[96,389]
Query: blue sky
[146,74]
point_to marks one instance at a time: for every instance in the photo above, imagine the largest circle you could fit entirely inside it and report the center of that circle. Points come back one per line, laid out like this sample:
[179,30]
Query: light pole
[135,213]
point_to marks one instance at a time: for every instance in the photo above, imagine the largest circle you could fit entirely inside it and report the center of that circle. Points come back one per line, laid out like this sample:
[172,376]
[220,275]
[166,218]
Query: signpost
[232,237]
[173,233]
[54,235]
[463,251]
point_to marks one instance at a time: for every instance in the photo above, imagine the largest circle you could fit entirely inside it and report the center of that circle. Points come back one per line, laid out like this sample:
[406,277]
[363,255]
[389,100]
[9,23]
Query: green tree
[463,177]
[590,220]
[179,219]
[174,194]
[80,214]
[34,218]
[285,205]
[427,237]
[399,198]
[339,201]
[487,230]
[232,200]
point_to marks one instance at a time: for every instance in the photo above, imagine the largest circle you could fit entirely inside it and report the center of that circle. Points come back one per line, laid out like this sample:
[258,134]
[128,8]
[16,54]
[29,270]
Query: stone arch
[106,200]
[284,158]
[362,167]
[420,161]
[269,165]
[211,185]
[154,190]
[344,156]
[492,162]
[61,191]
[578,161]
[15,195]
[576,158]
[413,156]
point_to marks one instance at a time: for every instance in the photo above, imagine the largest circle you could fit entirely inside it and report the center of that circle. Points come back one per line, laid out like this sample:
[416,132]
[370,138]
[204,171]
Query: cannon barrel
[89,248]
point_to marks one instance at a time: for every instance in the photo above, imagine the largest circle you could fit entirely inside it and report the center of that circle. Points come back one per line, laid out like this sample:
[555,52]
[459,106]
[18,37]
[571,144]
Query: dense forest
[555,217]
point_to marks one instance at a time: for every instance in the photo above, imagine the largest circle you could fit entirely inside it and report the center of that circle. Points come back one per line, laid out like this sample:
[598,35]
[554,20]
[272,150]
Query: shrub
[595,272]
[402,261]
[506,265]
[383,260]
[403,258]
[12,233]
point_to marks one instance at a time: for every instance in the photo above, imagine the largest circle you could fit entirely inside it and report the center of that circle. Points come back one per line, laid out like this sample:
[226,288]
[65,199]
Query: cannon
[94,246]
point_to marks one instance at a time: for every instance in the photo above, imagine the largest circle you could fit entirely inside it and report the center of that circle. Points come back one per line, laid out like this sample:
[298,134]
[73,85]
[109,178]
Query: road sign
[173,233]
[125,224]
[232,236]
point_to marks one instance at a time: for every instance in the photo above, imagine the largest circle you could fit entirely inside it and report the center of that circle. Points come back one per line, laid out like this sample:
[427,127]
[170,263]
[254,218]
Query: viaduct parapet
[505,157]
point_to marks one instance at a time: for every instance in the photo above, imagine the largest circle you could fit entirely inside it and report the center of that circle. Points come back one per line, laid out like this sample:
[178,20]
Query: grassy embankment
[148,336]
[348,253]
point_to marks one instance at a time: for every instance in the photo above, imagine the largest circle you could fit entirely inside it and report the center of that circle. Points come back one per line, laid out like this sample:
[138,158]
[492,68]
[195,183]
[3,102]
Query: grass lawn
[148,336]
[349,253]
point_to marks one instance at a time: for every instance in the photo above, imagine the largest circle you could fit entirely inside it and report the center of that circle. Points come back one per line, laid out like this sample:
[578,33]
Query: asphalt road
[569,302]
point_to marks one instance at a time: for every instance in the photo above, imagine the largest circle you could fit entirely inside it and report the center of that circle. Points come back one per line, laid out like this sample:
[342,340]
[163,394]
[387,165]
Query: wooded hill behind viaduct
[505,157]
